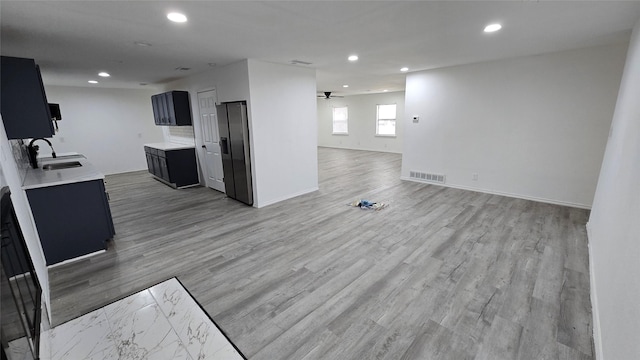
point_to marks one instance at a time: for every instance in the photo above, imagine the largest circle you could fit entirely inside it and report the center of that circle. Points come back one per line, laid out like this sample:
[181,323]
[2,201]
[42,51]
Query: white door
[210,138]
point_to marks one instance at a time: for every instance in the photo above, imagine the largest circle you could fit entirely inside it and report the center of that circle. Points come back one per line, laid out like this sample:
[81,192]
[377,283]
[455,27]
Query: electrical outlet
[474,176]
[416,119]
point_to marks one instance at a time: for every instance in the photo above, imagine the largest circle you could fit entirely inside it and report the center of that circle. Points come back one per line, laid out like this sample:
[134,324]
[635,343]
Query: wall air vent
[435,178]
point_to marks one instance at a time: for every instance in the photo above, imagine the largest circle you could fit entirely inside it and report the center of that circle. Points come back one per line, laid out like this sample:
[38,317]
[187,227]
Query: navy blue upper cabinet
[24,107]
[171,108]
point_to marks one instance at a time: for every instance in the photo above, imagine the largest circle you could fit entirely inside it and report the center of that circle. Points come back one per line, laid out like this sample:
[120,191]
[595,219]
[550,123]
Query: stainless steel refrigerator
[234,148]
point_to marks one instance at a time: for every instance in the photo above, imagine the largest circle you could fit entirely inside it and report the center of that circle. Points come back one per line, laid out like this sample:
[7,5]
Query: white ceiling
[73,40]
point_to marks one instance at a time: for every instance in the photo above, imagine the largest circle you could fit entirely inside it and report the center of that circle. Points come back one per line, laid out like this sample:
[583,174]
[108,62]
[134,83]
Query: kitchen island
[70,207]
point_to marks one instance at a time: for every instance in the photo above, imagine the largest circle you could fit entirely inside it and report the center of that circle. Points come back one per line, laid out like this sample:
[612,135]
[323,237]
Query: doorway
[214,174]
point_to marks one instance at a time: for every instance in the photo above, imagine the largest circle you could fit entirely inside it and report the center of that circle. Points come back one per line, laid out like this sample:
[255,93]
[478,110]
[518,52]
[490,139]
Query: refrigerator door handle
[224,147]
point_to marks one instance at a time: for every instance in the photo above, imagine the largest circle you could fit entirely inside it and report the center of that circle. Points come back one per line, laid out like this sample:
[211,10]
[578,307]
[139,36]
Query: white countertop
[37,178]
[169,146]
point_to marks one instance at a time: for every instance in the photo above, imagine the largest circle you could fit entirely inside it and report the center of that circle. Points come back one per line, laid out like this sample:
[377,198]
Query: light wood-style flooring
[440,274]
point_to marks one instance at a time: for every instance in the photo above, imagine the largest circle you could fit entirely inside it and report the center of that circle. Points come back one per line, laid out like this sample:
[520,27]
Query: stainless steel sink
[62,165]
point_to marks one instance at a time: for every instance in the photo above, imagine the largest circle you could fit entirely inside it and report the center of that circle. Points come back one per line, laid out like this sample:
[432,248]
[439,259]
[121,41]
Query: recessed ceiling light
[177,17]
[92,82]
[353,58]
[142,43]
[345,86]
[104,74]
[404,69]
[385,90]
[492,28]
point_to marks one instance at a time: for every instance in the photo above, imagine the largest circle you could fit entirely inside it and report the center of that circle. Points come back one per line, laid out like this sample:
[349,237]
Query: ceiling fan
[327,95]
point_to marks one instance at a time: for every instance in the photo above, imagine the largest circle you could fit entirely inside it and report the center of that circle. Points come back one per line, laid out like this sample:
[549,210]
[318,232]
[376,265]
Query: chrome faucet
[33,152]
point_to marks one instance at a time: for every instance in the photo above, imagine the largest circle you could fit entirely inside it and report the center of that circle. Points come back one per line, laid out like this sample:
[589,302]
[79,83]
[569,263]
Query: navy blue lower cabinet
[174,167]
[72,219]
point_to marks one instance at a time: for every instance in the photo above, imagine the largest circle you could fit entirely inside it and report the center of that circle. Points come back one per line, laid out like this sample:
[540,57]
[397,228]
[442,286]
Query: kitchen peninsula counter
[70,207]
[38,178]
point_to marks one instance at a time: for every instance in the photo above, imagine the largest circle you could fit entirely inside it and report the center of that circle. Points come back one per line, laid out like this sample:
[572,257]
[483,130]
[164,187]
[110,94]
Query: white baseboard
[69,261]
[262,204]
[597,336]
[360,149]
[493,192]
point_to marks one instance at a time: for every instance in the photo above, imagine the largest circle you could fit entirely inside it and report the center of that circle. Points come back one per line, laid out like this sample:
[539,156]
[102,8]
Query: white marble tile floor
[162,322]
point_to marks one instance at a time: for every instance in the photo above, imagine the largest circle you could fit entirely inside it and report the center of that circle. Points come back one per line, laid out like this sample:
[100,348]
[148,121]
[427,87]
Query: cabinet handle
[224,146]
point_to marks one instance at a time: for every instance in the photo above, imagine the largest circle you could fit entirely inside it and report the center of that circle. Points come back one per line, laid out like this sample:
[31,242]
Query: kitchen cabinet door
[155,167]
[156,109]
[181,108]
[72,219]
[171,116]
[164,169]
[162,110]
[149,162]
[24,107]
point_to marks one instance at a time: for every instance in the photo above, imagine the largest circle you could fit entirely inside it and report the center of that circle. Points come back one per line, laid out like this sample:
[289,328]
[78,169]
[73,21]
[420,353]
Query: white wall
[13,175]
[108,126]
[179,134]
[533,127]
[284,131]
[614,229]
[281,105]
[362,122]
[231,83]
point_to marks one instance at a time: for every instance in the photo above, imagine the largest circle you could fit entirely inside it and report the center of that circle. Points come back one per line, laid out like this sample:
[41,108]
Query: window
[340,120]
[386,121]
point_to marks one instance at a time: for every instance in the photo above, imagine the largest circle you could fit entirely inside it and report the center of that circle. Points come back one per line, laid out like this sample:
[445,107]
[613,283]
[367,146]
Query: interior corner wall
[533,127]
[283,127]
[231,83]
[362,122]
[614,229]
[12,175]
[108,126]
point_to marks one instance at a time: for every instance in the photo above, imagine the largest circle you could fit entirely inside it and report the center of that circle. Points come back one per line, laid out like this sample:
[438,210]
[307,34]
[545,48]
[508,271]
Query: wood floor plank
[441,273]
[550,276]
[501,342]
[539,332]
[437,342]
[574,328]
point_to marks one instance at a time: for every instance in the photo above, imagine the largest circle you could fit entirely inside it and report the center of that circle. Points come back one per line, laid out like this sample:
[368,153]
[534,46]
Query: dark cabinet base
[72,219]
[176,168]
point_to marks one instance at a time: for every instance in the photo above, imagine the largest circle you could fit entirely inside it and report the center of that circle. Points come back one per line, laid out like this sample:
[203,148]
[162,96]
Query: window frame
[333,120]
[395,120]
